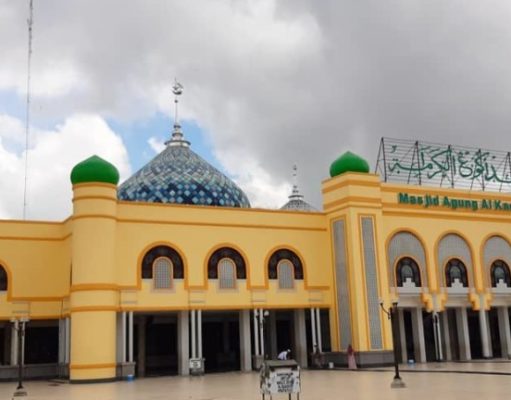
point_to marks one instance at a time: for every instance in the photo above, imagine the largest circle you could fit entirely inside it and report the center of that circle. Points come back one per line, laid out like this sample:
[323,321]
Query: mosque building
[173,272]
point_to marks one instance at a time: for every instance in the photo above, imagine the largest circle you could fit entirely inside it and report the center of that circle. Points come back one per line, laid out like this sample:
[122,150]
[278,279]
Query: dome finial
[177,138]
[296,201]
[295,194]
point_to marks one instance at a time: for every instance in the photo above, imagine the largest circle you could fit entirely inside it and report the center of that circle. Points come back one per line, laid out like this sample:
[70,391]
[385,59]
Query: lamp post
[19,326]
[262,319]
[436,334]
[397,382]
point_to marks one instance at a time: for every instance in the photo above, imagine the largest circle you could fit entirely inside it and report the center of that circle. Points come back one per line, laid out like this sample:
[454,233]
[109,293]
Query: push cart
[280,377]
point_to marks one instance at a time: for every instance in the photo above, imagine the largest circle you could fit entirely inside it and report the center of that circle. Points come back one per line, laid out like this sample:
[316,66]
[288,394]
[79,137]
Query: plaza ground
[488,380]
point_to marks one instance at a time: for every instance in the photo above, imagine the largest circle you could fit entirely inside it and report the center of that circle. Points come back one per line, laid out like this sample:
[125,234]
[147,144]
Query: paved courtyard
[316,385]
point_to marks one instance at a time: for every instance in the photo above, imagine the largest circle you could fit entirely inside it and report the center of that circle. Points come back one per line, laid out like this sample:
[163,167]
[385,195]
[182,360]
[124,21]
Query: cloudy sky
[267,84]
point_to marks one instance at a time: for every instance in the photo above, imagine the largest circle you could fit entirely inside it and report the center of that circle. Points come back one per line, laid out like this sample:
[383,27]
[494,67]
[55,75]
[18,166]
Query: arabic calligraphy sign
[444,165]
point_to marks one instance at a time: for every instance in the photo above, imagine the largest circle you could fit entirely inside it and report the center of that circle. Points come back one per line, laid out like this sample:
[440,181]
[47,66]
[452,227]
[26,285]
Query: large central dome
[178,175]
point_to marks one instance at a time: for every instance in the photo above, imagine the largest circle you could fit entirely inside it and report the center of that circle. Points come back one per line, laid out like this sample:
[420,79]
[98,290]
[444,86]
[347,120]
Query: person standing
[352,363]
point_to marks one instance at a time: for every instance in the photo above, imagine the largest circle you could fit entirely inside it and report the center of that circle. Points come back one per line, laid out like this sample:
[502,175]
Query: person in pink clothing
[352,364]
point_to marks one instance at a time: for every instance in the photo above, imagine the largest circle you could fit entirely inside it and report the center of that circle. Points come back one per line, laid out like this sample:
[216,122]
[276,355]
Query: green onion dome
[348,162]
[94,169]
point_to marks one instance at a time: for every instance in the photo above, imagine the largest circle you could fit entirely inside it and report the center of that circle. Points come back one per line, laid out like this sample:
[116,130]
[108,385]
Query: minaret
[94,298]
[296,201]
[177,138]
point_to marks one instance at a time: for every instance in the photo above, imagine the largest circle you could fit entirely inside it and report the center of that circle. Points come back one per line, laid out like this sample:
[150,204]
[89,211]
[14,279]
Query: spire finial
[295,194]
[177,138]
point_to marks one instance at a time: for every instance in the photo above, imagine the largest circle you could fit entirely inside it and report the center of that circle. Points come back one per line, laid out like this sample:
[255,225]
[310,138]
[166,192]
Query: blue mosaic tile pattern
[178,175]
[298,205]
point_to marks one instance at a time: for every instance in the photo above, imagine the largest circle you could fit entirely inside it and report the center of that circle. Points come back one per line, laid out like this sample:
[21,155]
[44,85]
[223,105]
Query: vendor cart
[280,377]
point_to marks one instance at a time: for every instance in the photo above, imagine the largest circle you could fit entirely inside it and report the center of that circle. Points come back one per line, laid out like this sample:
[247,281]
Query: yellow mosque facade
[140,286]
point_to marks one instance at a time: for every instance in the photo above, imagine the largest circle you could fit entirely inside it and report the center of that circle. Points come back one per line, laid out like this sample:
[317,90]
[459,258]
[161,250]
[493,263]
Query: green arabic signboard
[415,162]
[453,203]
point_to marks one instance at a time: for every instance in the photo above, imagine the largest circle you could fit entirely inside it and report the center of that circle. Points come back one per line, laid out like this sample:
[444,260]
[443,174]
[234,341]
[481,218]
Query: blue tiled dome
[178,175]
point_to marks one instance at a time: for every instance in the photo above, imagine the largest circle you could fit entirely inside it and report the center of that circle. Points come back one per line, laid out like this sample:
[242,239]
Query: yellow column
[354,196]
[94,296]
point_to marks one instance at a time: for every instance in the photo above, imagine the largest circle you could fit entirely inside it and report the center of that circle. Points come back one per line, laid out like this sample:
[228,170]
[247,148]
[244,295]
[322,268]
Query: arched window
[162,273]
[285,274]
[163,264]
[3,279]
[292,259]
[226,274]
[408,271]
[226,264]
[456,273]
[500,273]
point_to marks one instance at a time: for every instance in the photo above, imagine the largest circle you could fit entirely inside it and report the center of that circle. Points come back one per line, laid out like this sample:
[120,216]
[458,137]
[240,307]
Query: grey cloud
[302,83]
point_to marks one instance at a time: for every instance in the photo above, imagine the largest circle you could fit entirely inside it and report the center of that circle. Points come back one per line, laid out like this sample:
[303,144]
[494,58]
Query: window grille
[226,274]
[285,275]
[162,273]
[407,268]
[456,273]
[500,274]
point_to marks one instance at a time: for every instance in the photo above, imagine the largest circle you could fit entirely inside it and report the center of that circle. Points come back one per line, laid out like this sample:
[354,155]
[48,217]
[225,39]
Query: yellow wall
[105,241]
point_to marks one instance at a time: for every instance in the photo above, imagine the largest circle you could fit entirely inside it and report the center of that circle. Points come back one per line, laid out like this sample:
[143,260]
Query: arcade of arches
[144,288]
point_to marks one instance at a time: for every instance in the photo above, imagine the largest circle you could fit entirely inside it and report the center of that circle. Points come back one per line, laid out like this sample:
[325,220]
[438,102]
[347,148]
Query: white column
[483,328]
[14,343]
[62,341]
[463,334]
[402,334]
[437,332]
[504,331]
[256,336]
[438,336]
[123,336]
[245,351]
[183,343]
[194,331]
[418,335]
[300,338]
[488,328]
[68,341]
[261,331]
[199,334]
[313,329]
[318,330]
[130,336]
[24,329]
[447,337]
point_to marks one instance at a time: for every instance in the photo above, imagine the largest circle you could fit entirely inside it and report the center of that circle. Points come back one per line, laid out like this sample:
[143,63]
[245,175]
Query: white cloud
[275,81]
[50,161]
[11,129]
[262,189]
[156,144]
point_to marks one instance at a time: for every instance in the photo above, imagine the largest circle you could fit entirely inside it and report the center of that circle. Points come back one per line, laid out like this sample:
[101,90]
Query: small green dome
[348,162]
[94,169]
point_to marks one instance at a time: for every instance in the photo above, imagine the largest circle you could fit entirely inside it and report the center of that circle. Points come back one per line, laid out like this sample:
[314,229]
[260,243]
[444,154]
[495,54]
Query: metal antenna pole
[30,22]
[295,190]
[176,93]
[177,138]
